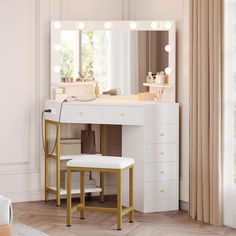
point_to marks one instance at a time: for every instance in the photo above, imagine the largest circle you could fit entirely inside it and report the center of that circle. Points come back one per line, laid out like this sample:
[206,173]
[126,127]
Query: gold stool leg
[58,168]
[68,197]
[131,193]
[102,186]
[46,162]
[82,194]
[119,200]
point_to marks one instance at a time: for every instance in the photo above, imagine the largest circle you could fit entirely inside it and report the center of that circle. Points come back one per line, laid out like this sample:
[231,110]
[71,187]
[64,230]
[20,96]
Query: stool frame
[82,207]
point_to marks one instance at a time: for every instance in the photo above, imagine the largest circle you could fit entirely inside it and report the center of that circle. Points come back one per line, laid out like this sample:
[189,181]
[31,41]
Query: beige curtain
[205,110]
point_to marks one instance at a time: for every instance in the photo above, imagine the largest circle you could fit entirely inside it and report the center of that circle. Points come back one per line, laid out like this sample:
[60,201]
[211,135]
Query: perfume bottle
[160,78]
[97,89]
[149,78]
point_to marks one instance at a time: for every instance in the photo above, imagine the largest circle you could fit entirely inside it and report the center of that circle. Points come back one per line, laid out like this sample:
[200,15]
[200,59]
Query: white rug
[20,229]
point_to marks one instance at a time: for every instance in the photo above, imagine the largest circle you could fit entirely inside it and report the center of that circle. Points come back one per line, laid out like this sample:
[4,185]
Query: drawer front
[122,115]
[161,190]
[81,114]
[161,134]
[161,205]
[161,152]
[162,113]
[161,171]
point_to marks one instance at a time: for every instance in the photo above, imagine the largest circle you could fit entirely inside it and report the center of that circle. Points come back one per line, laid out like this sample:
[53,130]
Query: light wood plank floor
[52,220]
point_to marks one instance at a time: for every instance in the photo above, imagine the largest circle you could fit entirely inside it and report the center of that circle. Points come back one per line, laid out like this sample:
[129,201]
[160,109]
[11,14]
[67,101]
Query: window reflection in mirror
[117,59]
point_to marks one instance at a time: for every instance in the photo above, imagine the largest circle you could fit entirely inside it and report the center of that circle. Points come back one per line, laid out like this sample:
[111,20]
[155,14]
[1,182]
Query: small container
[160,78]
[97,89]
[70,146]
[149,78]
[166,79]
[67,80]
[146,96]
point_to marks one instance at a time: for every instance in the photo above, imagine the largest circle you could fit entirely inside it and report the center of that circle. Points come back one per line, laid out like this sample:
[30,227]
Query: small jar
[160,78]
[149,78]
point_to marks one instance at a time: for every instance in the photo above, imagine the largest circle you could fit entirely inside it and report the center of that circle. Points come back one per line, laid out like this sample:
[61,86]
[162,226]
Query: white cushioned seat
[107,162]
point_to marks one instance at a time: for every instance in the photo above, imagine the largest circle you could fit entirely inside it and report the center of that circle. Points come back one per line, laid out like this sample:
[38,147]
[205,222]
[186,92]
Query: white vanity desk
[150,135]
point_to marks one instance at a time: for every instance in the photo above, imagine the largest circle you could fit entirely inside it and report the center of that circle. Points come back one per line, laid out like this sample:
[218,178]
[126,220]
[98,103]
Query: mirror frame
[157,25]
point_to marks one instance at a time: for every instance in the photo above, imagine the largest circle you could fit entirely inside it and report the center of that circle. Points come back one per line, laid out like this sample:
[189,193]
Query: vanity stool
[101,164]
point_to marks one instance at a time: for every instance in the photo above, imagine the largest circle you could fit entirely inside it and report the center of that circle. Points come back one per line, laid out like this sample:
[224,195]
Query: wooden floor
[52,220]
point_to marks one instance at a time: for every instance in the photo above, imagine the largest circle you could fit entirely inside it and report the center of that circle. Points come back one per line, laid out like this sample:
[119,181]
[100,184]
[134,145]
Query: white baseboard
[184,205]
[25,196]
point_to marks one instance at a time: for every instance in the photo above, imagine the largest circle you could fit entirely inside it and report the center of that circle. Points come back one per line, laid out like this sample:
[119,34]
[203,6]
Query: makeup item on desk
[85,97]
[149,78]
[67,80]
[146,96]
[160,78]
[60,94]
[166,79]
[114,91]
[97,89]
[60,97]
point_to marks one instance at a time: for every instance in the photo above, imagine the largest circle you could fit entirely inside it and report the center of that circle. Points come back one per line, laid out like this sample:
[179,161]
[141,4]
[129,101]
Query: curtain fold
[205,110]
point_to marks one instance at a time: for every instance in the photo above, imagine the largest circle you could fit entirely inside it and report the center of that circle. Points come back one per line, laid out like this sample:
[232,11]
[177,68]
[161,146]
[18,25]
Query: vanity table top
[131,100]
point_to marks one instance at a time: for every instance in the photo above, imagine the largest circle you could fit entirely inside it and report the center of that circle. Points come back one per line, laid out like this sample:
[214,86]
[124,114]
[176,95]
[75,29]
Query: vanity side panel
[133,145]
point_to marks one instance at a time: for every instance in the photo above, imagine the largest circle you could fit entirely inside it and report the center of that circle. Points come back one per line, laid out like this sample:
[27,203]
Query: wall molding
[25,196]
[31,164]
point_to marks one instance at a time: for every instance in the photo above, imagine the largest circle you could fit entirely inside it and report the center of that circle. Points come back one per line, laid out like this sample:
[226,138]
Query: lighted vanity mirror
[118,54]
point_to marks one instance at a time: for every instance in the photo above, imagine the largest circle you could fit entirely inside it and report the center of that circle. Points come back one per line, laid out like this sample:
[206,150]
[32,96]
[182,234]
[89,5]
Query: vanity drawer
[122,115]
[170,204]
[161,171]
[161,152]
[81,114]
[161,190]
[161,134]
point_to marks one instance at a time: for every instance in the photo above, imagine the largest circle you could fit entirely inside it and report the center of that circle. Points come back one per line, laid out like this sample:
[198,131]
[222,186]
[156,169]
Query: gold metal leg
[119,199]
[102,150]
[102,187]
[46,162]
[58,169]
[131,194]
[68,197]
[82,194]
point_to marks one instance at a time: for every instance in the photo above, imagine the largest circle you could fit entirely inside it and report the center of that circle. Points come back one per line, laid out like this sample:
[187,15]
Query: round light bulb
[154,25]
[133,25]
[57,47]
[107,25]
[57,25]
[168,25]
[168,70]
[81,25]
[57,69]
[168,48]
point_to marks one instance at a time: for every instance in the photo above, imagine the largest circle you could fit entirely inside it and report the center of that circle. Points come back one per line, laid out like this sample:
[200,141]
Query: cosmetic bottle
[149,78]
[97,90]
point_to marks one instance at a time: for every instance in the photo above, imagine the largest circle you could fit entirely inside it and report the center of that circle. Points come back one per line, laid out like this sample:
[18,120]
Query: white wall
[24,61]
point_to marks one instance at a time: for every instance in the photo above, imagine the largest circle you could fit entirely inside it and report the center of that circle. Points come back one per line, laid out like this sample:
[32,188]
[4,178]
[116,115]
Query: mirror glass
[117,59]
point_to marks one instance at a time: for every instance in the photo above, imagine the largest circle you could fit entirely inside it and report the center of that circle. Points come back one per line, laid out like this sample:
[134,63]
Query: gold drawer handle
[162,153]
[81,113]
[122,114]
[162,190]
[162,134]
[161,172]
